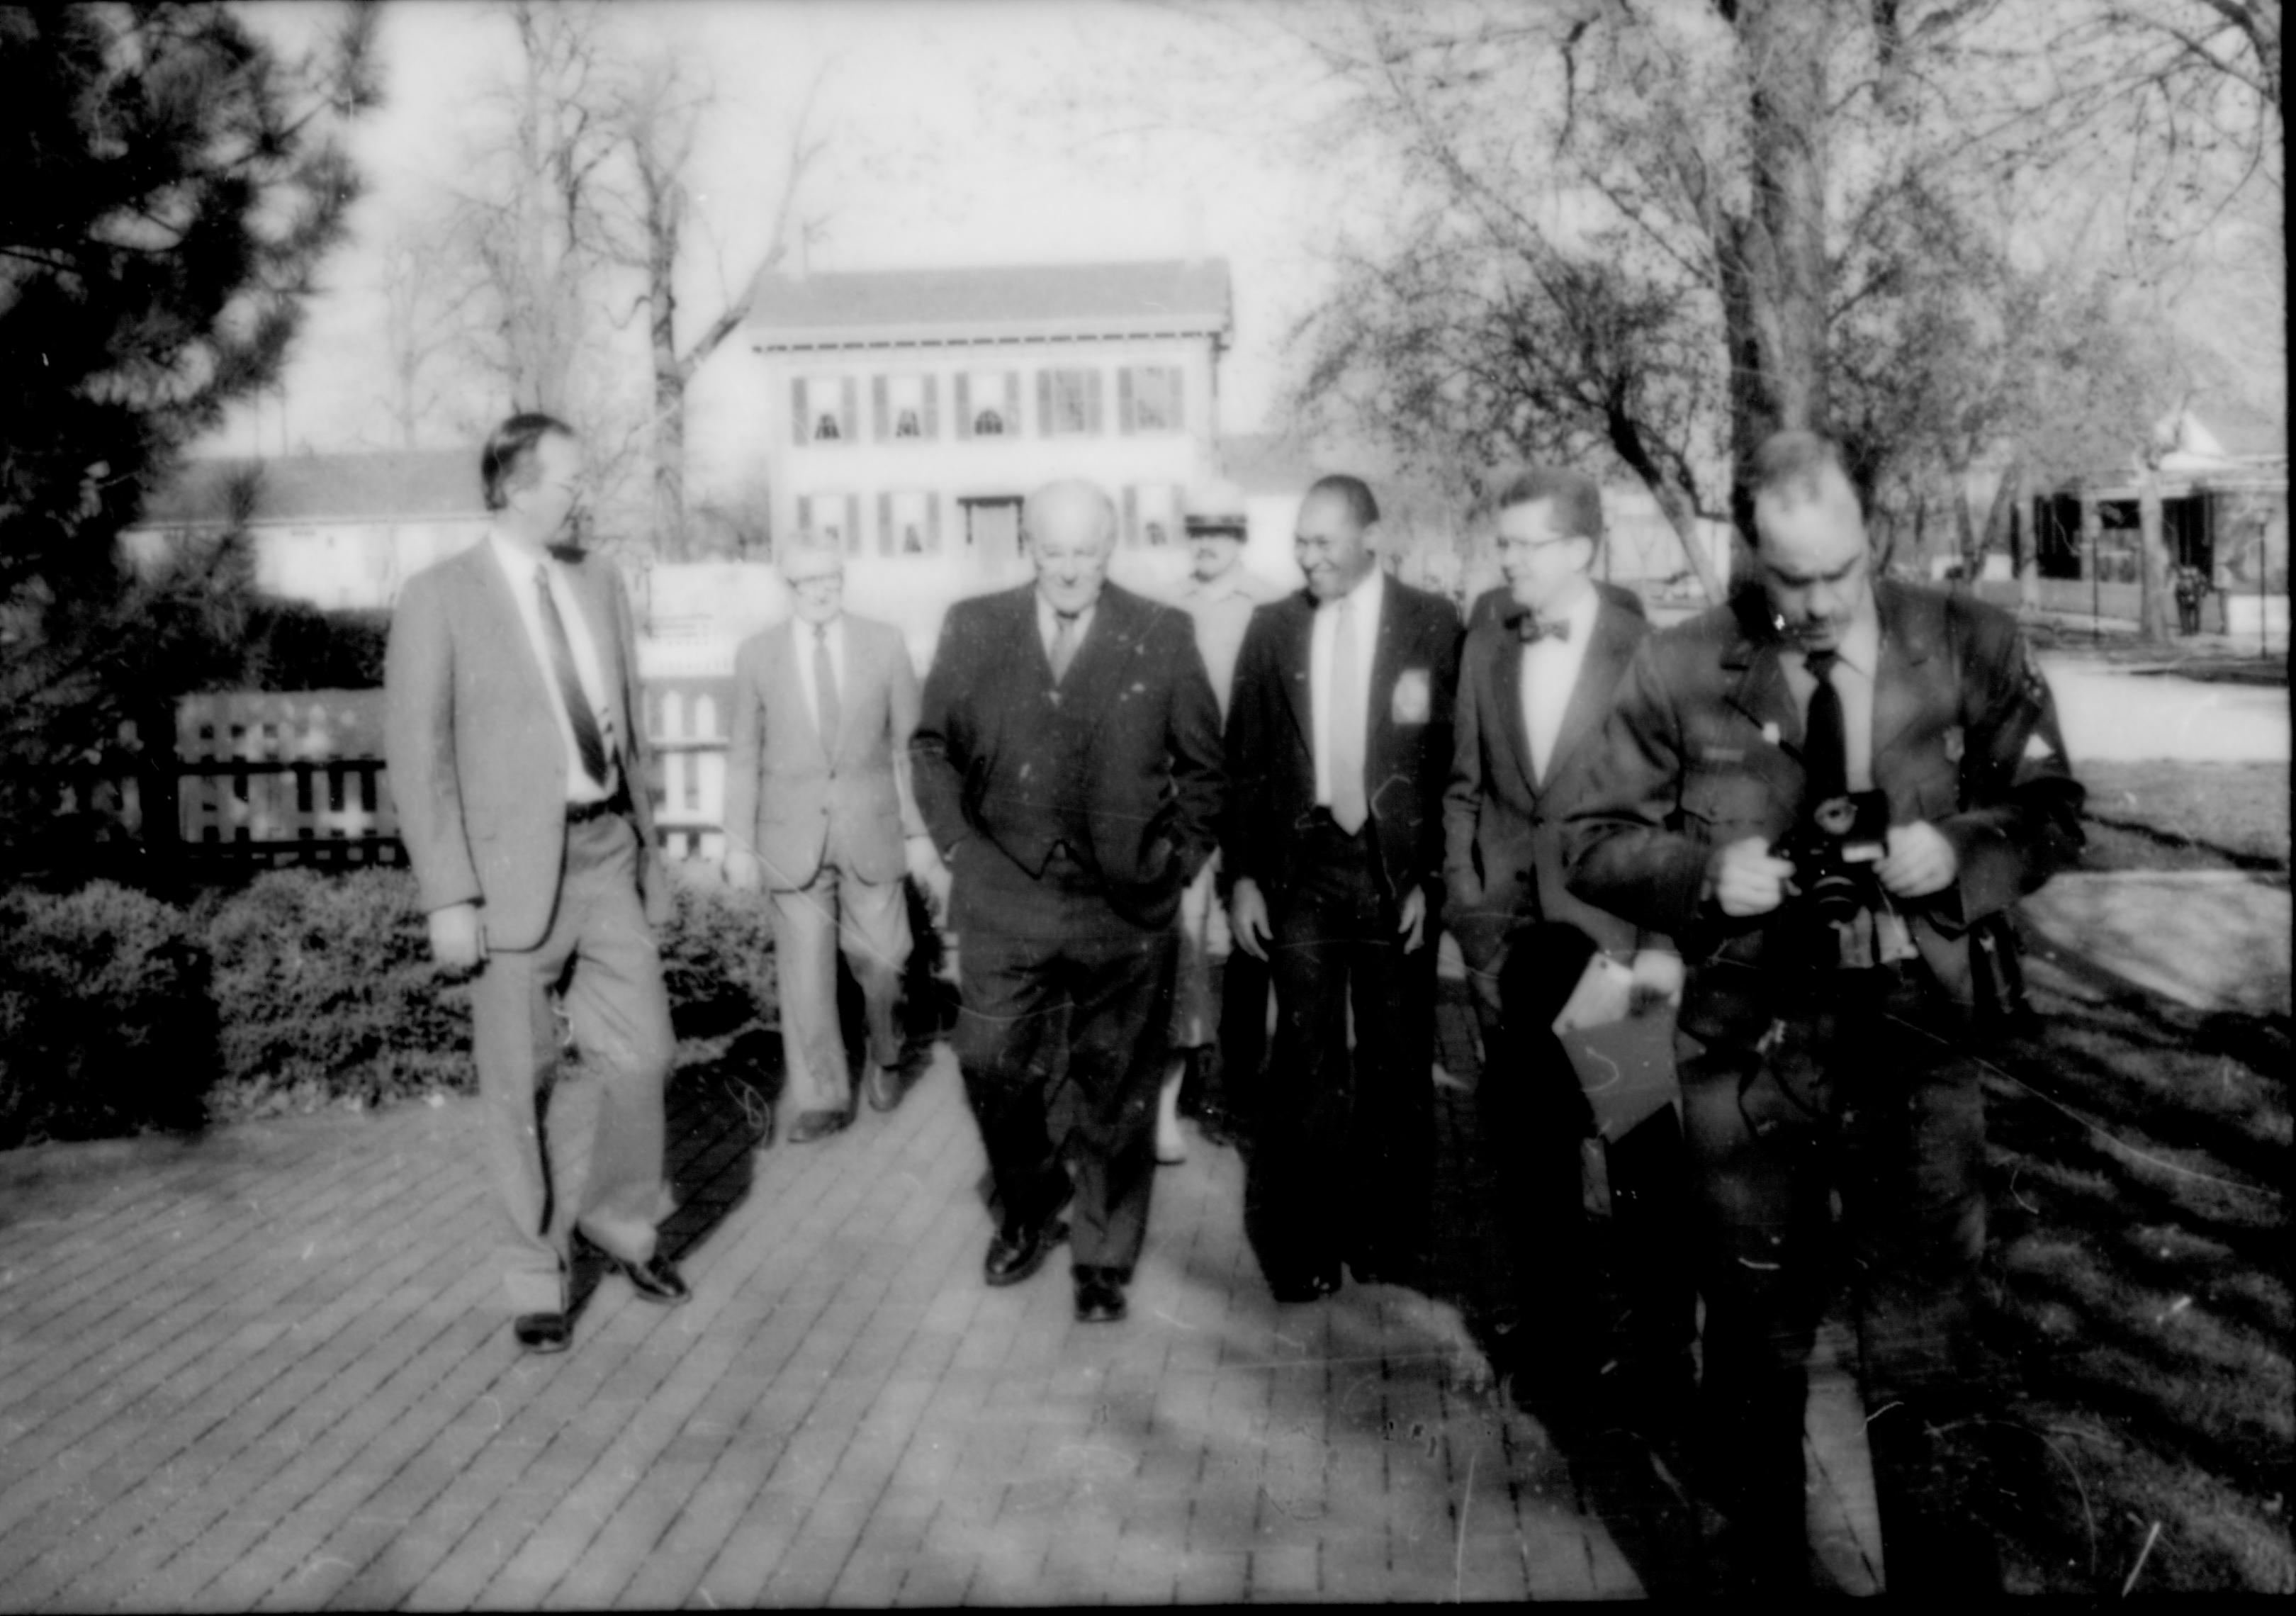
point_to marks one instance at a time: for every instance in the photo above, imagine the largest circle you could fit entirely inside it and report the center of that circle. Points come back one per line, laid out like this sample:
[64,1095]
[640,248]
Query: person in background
[819,811]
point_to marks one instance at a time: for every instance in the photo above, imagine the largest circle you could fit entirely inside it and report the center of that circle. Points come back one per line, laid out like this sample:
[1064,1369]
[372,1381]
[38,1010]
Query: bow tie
[1534,629]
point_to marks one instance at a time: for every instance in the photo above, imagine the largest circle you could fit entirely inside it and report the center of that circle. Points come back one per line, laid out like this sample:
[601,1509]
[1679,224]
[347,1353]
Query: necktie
[1064,644]
[587,741]
[1533,629]
[1344,740]
[1825,745]
[827,713]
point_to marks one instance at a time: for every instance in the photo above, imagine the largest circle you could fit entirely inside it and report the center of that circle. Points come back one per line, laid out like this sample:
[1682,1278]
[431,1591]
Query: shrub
[106,1026]
[718,960]
[324,987]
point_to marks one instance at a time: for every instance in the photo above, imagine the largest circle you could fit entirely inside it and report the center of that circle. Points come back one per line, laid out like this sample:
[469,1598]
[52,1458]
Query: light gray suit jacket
[801,798]
[478,769]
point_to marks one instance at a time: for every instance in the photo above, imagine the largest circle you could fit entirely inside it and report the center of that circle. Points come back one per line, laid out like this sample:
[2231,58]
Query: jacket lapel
[1515,724]
[1386,667]
[1296,623]
[1610,646]
[1907,643]
[509,629]
[1100,662]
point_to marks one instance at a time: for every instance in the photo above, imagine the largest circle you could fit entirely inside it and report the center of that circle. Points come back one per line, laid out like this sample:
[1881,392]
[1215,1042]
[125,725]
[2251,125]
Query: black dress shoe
[884,1086]
[1313,1287]
[1014,1255]
[655,1280]
[1099,1295]
[543,1332]
[811,1124]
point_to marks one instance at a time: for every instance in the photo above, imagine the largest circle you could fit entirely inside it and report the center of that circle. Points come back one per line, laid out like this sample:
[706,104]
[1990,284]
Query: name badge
[1771,733]
[1412,700]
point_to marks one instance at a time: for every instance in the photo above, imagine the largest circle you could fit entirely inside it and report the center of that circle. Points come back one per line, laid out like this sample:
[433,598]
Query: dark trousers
[1343,1161]
[1060,1039]
[1228,1087]
[1534,1119]
[1865,1094]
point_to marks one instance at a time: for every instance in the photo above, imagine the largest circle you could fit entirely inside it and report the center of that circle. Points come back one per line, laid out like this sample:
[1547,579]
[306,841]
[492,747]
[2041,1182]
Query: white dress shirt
[1549,673]
[518,564]
[804,633]
[1365,600]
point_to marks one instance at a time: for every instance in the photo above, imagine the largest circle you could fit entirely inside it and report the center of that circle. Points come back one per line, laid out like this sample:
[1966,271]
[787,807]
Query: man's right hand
[1247,918]
[458,942]
[1745,880]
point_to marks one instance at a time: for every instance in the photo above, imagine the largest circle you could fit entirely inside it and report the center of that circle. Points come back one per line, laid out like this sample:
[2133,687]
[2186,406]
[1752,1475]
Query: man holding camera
[1830,792]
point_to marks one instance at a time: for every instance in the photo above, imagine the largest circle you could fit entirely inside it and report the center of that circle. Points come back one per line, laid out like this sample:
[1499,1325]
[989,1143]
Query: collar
[1369,591]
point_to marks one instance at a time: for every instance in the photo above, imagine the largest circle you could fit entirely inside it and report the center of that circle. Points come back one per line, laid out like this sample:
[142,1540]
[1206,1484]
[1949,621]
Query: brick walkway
[267,1368]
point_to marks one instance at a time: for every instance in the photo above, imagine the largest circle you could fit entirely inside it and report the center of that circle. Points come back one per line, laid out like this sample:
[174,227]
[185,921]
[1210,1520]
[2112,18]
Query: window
[1068,402]
[988,403]
[1148,399]
[1151,515]
[905,406]
[822,409]
[832,516]
[908,524]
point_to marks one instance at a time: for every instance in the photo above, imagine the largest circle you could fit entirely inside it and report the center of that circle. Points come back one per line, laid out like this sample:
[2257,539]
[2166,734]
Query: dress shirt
[1549,673]
[1854,669]
[1367,598]
[1048,625]
[804,642]
[1222,609]
[518,564]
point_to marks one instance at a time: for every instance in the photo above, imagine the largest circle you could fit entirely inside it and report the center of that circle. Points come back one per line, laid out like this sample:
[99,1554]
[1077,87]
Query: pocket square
[1411,696]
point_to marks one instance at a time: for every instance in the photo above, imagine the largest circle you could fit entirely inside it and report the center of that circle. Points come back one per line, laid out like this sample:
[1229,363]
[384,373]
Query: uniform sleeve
[1620,853]
[419,749]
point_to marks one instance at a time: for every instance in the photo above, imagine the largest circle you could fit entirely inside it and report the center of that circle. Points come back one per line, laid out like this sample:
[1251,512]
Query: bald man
[1068,766]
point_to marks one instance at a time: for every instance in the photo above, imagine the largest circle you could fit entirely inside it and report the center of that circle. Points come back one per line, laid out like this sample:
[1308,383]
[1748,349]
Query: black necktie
[1826,746]
[587,741]
[1064,643]
[1533,629]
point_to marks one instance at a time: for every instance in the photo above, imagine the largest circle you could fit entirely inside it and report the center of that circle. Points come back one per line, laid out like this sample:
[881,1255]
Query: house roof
[1163,297]
[395,485]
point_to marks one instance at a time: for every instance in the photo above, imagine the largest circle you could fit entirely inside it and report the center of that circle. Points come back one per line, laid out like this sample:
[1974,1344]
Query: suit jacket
[1406,757]
[1496,604]
[471,743]
[1503,845]
[1703,747]
[803,799]
[1121,761]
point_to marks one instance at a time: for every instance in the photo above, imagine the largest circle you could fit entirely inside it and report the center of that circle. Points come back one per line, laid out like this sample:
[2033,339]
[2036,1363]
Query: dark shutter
[964,395]
[1012,402]
[1045,425]
[804,513]
[1092,403]
[933,406]
[1176,384]
[886,543]
[1131,514]
[852,515]
[801,427]
[1124,425]
[932,524]
[882,426]
[848,417]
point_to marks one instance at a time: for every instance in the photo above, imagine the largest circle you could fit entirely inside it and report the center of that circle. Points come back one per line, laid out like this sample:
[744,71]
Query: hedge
[300,989]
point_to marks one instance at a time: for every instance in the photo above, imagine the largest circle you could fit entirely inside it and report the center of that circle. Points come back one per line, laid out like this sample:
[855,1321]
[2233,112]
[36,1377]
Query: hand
[1745,880]
[458,941]
[1657,980]
[1411,919]
[928,870]
[1920,861]
[1247,918]
[741,869]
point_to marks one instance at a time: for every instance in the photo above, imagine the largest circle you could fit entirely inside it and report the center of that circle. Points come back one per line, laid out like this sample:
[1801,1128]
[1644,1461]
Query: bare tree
[422,303]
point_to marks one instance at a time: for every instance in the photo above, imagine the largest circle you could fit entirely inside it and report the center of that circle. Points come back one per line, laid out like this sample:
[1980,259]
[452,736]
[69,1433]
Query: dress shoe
[1016,1254]
[1099,1295]
[543,1332]
[1313,1287]
[811,1124]
[655,1280]
[885,1086]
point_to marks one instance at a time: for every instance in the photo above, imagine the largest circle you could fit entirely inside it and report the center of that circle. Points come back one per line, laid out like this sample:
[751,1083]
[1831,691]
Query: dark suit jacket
[1122,761]
[1495,604]
[1271,755]
[1703,748]
[1503,846]
[471,737]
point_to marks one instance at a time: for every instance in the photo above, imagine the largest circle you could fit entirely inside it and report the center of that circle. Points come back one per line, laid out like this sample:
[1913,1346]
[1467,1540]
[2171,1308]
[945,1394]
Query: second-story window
[1148,399]
[987,404]
[821,408]
[905,406]
[1068,401]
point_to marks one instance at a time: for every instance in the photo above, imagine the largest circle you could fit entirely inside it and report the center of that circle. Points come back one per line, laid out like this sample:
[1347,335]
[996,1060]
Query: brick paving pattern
[267,1369]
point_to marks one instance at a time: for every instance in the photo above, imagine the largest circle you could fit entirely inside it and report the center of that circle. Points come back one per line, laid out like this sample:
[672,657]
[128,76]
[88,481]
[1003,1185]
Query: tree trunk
[1675,501]
[2154,596]
[662,222]
[2005,532]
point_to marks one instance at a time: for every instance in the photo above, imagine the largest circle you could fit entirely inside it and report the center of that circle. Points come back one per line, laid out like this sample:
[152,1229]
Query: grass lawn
[2186,815]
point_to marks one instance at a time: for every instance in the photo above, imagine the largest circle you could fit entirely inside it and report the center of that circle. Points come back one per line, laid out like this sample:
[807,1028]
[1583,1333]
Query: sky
[959,132]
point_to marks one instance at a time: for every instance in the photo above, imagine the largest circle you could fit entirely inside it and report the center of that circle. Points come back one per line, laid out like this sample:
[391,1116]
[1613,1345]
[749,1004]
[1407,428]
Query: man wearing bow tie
[518,770]
[1339,741]
[1067,763]
[1844,958]
[1535,683]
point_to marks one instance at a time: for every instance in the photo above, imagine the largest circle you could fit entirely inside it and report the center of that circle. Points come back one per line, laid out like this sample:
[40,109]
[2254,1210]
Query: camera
[1833,849]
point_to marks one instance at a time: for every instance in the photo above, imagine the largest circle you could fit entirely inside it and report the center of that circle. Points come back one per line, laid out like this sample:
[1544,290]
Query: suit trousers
[1534,1119]
[869,923]
[599,958]
[1344,1162]
[1866,1094]
[1061,1037]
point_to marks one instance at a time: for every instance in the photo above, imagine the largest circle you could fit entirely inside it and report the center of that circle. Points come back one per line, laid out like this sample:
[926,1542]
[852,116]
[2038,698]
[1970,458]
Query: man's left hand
[1920,861]
[1411,921]
[927,870]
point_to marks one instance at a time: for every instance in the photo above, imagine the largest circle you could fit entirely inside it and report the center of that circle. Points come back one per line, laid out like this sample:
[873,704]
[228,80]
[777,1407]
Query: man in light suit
[1338,744]
[1067,763]
[1535,683]
[518,767]
[819,809]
